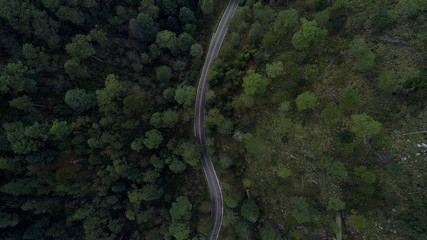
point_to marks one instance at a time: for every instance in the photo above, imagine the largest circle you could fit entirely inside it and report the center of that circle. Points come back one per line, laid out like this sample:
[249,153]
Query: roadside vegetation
[319,120]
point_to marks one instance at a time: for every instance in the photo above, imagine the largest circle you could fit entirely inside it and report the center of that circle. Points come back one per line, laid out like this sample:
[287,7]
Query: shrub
[364,57]
[357,221]
[381,22]
[349,101]
[387,82]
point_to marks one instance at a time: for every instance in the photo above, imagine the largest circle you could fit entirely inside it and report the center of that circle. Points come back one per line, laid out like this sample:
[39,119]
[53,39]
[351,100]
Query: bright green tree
[170,118]
[37,131]
[136,144]
[255,83]
[23,103]
[357,221]
[13,80]
[191,153]
[135,196]
[306,100]
[177,166]
[153,139]
[196,50]
[335,168]
[349,101]
[106,97]
[185,95]
[309,34]
[80,48]
[181,209]
[24,140]
[181,215]
[167,39]
[179,230]
[156,162]
[365,126]
[156,119]
[230,202]
[60,129]
[285,172]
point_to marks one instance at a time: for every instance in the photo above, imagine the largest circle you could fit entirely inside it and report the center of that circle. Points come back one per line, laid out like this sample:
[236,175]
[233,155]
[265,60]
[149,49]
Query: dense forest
[97,103]
[315,119]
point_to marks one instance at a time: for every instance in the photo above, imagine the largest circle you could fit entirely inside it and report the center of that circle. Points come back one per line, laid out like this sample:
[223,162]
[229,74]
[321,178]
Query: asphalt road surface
[199,119]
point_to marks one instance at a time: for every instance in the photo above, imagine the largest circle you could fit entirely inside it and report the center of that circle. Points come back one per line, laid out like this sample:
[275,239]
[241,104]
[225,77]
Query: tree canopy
[143,28]
[286,21]
[308,35]
[185,95]
[365,126]
[274,69]
[305,101]
[255,83]
[250,211]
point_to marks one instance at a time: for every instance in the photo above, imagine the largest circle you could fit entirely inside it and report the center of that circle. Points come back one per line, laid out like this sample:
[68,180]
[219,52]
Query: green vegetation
[315,113]
[306,100]
[96,103]
[320,95]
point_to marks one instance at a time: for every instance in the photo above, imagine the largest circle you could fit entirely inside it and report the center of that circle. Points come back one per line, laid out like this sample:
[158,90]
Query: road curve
[199,119]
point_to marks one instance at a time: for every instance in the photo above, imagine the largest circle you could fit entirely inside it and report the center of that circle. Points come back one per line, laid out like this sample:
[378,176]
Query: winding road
[199,119]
